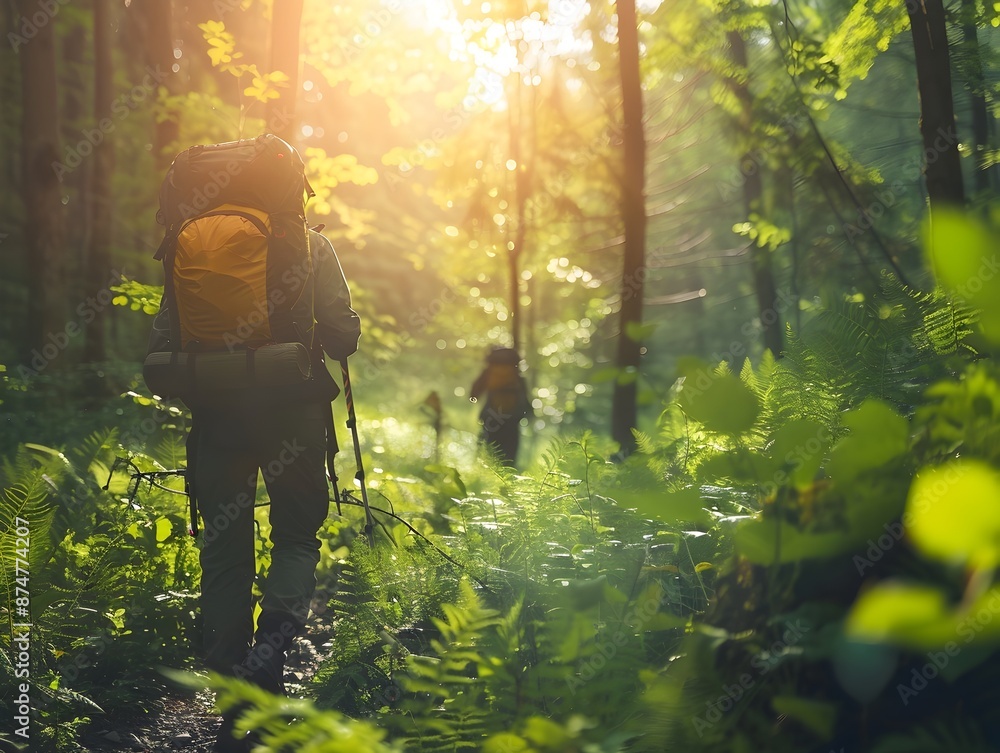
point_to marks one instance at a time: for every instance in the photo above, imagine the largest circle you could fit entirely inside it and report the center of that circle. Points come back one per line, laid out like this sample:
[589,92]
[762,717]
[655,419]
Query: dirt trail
[185,724]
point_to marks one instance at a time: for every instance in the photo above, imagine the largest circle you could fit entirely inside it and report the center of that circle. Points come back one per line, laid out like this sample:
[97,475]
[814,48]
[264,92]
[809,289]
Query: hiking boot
[264,667]
[268,677]
[265,664]
[267,672]
[225,740]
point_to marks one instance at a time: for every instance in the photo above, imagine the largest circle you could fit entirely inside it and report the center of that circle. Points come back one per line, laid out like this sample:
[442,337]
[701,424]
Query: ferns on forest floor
[562,627]
[827,471]
[584,606]
[110,583]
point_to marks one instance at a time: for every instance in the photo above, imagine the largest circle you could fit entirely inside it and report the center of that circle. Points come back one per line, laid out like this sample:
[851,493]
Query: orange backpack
[236,261]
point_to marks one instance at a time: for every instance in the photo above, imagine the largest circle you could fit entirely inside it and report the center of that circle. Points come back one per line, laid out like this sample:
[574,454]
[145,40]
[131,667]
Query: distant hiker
[505,404]
[251,301]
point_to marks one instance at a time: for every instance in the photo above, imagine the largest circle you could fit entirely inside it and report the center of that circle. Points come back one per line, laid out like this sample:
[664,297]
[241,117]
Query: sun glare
[499,47]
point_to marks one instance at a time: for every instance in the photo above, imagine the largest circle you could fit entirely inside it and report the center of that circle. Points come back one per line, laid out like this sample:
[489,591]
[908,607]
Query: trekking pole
[352,424]
[332,448]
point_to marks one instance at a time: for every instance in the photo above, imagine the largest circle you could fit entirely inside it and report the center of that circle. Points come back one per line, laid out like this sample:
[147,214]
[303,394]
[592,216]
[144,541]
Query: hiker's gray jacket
[337,325]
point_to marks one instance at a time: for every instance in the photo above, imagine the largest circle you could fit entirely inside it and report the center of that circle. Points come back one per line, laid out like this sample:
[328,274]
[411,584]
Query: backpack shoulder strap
[165,253]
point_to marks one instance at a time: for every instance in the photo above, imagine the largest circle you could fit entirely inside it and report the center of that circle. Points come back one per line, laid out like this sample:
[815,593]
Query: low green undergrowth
[801,557]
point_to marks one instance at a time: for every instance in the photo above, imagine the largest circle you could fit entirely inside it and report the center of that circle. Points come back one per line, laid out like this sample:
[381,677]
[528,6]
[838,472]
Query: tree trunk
[530,320]
[517,125]
[624,413]
[942,167]
[514,281]
[977,97]
[753,191]
[97,259]
[281,118]
[12,287]
[74,54]
[160,52]
[44,229]
[514,251]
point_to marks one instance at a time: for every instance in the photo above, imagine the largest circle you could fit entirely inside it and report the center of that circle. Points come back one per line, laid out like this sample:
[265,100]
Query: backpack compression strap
[168,293]
[167,252]
[169,241]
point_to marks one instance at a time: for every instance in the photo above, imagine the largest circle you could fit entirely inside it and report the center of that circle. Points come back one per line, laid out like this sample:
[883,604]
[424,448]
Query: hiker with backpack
[252,301]
[505,403]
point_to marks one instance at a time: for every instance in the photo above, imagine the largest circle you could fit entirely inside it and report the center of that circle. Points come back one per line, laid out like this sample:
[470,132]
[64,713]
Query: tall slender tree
[74,52]
[522,130]
[942,165]
[624,412]
[44,226]
[753,191]
[977,85]
[158,25]
[97,258]
[515,122]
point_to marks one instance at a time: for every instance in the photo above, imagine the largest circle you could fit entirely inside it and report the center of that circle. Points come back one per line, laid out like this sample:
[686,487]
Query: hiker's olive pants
[503,438]
[288,446]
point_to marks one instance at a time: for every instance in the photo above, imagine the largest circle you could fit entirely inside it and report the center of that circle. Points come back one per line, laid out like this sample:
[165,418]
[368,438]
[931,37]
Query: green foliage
[892,347]
[111,584]
[287,725]
[26,504]
[450,710]
[563,619]
[962,253]
[138,296]
[391,594]
[851,555]
[866,31]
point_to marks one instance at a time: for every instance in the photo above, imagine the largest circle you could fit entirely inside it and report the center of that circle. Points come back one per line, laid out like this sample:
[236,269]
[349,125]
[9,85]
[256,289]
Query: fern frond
[25,507]
[95,454]
[170,451]
[27,502]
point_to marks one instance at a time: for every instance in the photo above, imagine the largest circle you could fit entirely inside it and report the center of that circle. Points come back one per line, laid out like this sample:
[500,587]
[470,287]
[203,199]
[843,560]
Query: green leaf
[919,617]
[766,541]
[586,594]
[612,595]
[671,507]
[506,742]
[801,445]
[862,668]
[953,513]
[580,631]
[720,402]
[163,529]
[750,467]
[956,246]
[913,615]
[878,435]
[450,474]
[963,254]
[546,733]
